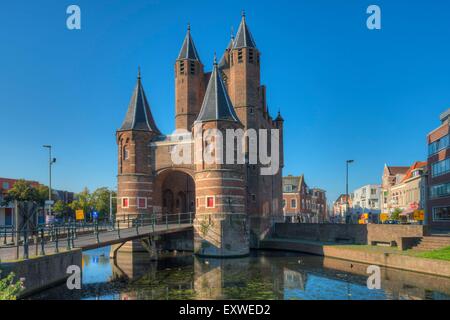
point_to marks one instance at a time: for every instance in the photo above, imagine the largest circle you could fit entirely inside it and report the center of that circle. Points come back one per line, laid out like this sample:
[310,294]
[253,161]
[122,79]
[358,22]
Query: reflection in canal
[263,275]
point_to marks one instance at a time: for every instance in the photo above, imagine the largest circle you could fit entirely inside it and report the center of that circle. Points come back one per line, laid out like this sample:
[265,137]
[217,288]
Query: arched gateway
[233,204]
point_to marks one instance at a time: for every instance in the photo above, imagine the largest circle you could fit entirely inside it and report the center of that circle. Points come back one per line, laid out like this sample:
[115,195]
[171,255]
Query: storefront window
[441,214]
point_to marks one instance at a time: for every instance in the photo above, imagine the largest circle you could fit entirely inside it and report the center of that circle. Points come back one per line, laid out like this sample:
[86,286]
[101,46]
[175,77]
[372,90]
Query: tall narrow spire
[139,116]
[223,63]
[217,104]
[188,50]
[244,38]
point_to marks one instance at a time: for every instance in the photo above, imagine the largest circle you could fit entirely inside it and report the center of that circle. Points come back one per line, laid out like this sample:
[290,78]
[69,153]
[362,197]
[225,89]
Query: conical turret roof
[188,50]
[244,38]
[217,104]
[139,116]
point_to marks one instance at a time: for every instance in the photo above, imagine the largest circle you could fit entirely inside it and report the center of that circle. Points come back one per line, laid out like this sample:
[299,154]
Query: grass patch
[441,254]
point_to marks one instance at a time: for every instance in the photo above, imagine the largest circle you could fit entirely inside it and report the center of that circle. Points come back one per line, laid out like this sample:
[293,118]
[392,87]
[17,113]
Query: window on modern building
[441,214]
[293,203]
[440,190]
[439,145]
[125,202]
[142,203]
[210,203]
[373,191]
[125,153]
[440,168]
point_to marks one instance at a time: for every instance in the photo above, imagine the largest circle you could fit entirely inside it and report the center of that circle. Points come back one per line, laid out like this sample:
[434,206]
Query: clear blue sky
[344,91]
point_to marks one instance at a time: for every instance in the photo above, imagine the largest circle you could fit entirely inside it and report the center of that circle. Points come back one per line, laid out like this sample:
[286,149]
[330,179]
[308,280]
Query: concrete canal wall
[43,272]
[402,236]
[384,259]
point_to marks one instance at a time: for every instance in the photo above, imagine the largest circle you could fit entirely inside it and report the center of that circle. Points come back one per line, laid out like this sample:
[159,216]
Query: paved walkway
[89,241]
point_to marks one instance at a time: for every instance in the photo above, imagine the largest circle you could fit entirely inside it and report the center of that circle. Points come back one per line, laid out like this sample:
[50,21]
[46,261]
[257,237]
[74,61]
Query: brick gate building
[234,205]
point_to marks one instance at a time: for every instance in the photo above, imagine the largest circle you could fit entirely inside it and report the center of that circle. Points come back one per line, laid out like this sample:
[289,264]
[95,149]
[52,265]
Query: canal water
[263,275]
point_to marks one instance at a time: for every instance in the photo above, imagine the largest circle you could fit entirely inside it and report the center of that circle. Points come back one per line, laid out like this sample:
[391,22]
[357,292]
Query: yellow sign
[384,217]
[79,214]
[419,215]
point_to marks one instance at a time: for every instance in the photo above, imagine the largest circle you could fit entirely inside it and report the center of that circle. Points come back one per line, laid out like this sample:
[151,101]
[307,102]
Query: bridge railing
[62,236]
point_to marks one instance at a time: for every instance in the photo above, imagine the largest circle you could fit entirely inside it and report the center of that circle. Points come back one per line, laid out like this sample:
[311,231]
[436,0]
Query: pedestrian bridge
[52,239]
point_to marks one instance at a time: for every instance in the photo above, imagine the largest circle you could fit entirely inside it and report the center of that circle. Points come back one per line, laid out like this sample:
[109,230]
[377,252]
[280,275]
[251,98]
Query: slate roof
[139,116]
[244,38]
[188,50]
[216,104]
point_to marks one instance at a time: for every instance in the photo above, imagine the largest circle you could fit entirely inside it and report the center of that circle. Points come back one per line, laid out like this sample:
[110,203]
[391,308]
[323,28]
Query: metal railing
[63,235]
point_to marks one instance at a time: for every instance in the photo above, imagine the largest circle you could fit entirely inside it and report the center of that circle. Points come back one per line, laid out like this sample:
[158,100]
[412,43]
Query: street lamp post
[51,161]
[346,191]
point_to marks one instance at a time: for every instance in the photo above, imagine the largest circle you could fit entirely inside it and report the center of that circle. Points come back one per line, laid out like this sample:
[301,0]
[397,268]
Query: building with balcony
[438,204]
[366,200]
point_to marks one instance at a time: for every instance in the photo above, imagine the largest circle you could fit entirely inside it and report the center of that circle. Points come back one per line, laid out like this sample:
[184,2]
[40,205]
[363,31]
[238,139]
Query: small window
[240,56]
[142,203]
[182,67]
[210,203]
[293,203]
[197,202]
[125,153]
[250,56]
[192,68]
[254,197]
[125,203]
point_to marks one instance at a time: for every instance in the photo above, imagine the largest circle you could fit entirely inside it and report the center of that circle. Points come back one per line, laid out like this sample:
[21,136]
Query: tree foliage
[396,214]
[9,288]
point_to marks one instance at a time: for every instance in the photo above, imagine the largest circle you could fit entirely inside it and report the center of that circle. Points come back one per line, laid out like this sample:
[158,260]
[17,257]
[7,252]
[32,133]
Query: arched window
[125,153]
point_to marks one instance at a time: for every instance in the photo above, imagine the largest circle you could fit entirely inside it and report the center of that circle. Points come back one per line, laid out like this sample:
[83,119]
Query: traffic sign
[79,214]
[95,215]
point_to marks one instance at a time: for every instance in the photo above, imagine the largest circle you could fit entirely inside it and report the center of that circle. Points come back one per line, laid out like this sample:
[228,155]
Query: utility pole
[346,192]
[51,161]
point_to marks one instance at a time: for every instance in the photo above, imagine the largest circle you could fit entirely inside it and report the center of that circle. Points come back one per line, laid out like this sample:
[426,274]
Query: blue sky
[344,91]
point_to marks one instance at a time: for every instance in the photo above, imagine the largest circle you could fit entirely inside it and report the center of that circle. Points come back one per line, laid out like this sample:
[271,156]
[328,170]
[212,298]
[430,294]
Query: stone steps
[432,243]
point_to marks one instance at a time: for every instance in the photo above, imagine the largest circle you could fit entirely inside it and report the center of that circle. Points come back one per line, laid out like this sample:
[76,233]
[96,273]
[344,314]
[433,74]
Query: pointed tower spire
[217,104]
[188,50]
[244,38]
[139,116]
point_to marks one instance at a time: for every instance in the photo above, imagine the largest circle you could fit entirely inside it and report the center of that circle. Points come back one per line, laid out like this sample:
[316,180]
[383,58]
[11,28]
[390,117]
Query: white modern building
[367,199]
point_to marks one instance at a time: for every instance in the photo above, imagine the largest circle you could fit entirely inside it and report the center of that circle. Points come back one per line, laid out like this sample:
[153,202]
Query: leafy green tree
[83,201]
[101,201]
[9,289]
[396,214]
[62,209]
[21,191]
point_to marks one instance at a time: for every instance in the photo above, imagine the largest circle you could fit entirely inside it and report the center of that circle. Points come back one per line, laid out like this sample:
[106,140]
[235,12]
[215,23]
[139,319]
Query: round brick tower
[220,226]
[135,175]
